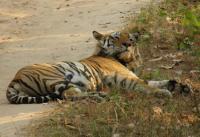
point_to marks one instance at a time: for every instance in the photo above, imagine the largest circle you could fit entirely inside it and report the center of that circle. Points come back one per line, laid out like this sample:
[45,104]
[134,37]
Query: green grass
[155,75]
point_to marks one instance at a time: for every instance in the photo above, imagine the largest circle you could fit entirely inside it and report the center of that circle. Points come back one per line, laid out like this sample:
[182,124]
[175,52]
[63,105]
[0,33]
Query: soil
[38,31]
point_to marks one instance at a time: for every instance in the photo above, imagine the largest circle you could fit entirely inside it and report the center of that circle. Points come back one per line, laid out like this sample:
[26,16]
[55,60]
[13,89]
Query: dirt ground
[37,31]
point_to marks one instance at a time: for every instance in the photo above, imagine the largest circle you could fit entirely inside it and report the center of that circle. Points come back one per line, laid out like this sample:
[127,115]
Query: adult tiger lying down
[41,83]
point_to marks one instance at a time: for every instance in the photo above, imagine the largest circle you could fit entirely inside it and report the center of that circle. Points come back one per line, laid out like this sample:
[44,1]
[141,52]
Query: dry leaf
[156,59]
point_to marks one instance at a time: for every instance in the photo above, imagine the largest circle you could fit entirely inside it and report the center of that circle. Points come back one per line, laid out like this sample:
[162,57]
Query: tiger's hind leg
[133,83]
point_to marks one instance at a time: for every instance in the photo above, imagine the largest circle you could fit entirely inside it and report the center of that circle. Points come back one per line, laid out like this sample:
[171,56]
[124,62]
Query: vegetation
[125,115]
[171,37]
[171,32]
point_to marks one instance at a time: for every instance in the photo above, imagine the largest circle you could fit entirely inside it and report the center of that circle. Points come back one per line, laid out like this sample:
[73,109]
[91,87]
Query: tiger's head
[121,46]
[114,43]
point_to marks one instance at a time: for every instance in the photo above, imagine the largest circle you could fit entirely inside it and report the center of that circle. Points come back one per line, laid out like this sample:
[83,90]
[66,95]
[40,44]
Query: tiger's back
[108,66]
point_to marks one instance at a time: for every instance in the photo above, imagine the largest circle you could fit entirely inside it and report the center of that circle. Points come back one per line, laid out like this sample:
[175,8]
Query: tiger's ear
[133,37]
[97,35]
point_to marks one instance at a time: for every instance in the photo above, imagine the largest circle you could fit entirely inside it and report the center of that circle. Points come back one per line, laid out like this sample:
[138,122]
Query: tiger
[110,66]
[131,58]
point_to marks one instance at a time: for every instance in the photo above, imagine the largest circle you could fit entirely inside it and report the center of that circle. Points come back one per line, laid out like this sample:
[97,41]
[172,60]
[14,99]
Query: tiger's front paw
[181,88]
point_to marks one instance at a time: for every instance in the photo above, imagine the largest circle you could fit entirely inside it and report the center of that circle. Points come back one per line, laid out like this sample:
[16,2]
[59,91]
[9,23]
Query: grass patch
[155,75]
[171,30]
[174,23]
[124,115]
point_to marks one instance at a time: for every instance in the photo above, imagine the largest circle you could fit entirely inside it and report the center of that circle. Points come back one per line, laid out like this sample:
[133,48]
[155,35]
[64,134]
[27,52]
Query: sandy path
[36,31]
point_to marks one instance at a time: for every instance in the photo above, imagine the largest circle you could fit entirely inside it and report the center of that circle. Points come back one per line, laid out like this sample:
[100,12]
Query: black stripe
[86,69]
[39,100]
[42,84]
[98,75]
[44,81]
[26,85]
[58,69]
[72,65]
[32,100]
[115,79]
[96,68]
[108,42]
[14,100]
[28,77]
[134,84]
[32,78]
[104,41]
[38,84]
[25,100]
[47,70]
[132,81]
[123,83]
[59,65]
[51,74]
[84,73]
[70,71]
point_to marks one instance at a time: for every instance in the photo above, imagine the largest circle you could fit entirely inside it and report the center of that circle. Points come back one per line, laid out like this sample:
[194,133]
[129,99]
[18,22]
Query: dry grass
[125,115]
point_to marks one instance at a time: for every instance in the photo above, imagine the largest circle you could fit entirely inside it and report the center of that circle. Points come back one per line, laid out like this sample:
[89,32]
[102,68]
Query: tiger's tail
[14,97]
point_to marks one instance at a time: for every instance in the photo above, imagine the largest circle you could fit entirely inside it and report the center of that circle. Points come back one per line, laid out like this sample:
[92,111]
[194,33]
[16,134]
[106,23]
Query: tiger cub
[39,83]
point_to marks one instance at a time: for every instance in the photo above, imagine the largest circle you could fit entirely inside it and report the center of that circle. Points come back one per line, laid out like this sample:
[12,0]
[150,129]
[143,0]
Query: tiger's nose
[127,44]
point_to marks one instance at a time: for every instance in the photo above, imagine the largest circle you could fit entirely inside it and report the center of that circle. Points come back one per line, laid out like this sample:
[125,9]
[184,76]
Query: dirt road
[37,31]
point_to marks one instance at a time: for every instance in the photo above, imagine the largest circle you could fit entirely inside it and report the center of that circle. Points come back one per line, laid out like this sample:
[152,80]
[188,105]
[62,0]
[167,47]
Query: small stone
[196,109]
[131,125]
[180,72]
[149,69]
[58,7]
[104,26]
[108,23]
[116,135]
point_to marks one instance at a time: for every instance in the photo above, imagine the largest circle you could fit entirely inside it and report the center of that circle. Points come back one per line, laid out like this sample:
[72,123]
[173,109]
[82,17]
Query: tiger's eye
[80,84]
